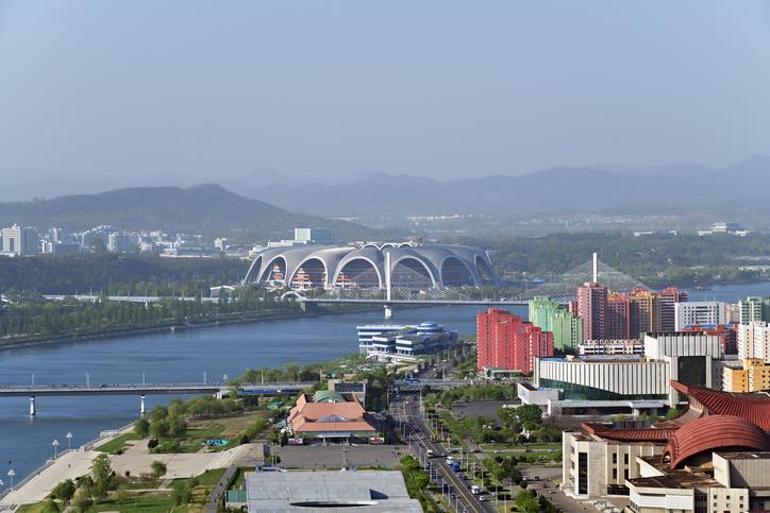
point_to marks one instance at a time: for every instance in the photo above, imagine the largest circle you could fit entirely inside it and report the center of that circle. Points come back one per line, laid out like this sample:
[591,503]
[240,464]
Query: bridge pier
[388,312]
[142,406]
[32,410]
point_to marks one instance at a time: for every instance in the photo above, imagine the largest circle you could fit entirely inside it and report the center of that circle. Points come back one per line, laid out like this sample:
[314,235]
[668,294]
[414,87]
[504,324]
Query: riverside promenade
[136,459]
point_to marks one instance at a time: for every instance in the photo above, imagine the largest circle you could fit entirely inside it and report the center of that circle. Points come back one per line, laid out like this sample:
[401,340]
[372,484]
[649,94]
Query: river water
[25,443]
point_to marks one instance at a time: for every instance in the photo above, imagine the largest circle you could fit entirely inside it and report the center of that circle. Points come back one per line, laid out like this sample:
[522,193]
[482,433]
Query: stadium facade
[412,266]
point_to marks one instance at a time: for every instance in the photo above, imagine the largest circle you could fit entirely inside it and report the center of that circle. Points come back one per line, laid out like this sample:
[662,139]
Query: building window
[614,458]
[625,458]
[625,474]
[614,473]
[583,473]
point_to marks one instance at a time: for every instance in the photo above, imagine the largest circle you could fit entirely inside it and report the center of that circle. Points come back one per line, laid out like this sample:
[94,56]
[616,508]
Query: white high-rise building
[695,313]
[754,341]
[20,241]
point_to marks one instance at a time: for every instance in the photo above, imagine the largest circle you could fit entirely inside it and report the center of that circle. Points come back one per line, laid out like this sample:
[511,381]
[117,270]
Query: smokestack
[596,268]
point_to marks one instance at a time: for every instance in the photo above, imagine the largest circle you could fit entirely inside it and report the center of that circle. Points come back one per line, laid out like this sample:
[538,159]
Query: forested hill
[204,209]
[133,274]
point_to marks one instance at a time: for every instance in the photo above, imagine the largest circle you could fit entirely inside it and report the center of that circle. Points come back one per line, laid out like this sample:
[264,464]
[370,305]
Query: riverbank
[145,330]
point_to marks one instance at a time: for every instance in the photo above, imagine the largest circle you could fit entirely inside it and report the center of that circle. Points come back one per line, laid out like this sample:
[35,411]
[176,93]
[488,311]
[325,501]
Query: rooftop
[329,492]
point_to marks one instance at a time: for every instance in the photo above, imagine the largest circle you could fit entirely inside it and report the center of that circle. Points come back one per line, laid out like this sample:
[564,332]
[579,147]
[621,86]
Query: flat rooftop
[745,455]
[597,358]
[691,477]
[329,492]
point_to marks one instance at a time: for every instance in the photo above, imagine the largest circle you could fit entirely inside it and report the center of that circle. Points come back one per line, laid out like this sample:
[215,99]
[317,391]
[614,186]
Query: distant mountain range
[204,209]
[733,190]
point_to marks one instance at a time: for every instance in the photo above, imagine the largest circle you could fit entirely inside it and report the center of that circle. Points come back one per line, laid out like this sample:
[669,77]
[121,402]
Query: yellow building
[754,376]
[644,312]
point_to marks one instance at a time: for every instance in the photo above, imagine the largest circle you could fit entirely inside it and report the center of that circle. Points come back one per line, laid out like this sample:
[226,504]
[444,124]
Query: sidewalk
[68,466]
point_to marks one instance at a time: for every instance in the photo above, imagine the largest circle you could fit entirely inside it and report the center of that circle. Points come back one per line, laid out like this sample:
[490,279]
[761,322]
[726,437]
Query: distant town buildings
[507,343]
[20,241]
[725,228]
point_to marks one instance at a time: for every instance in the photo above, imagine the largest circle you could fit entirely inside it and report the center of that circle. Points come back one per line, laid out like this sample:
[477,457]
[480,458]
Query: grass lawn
[118,443]
[155,503]
[32,508]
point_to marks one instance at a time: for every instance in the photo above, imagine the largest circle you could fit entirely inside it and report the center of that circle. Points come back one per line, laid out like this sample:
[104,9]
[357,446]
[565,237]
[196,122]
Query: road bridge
[143,390]
[94,298]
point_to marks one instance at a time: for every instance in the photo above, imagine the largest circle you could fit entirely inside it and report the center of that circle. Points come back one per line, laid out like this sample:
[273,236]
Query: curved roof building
[715,432]
[351,267]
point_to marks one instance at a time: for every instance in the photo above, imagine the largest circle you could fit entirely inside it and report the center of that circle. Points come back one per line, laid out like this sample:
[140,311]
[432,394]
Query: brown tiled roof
[715,432]
[345,416]
[642,434]
[753,407]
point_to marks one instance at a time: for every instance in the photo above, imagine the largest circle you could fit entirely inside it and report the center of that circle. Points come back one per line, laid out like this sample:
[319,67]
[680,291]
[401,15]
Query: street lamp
[11,474]
[69,440]
[55,445]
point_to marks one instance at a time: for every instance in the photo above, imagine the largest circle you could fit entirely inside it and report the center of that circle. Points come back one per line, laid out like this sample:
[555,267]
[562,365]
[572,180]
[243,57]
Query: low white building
[698,313]
[594,385]
[611,347]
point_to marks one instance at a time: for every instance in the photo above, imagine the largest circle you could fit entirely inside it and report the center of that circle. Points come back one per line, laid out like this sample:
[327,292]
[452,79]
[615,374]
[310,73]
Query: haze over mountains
[204,209]
[562,190]
[684,196]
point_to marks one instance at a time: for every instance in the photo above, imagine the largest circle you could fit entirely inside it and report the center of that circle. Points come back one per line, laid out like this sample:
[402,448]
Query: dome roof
[714,432]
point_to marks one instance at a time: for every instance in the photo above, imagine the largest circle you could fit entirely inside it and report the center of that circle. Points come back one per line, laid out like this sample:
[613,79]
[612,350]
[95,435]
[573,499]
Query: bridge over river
[143,390]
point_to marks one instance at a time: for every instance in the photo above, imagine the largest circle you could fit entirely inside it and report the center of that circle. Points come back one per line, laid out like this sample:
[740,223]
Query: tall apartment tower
[644,312]
[754,308]
[506,342]
[618,316]
[549,315]
[666,299]
[592,307]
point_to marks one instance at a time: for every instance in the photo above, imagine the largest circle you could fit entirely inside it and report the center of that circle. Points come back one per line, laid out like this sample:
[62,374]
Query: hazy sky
[101,94]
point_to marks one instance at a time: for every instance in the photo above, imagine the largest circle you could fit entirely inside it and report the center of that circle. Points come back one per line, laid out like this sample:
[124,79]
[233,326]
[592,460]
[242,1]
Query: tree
[64,491]
[530,416]
[177,427]
[526,502]
[181,493]
[159,428]
[82,501]
[142,427]
[101,473]
[158,468]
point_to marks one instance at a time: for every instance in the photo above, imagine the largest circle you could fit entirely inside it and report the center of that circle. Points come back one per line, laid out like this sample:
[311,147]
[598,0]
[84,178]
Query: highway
[406,414]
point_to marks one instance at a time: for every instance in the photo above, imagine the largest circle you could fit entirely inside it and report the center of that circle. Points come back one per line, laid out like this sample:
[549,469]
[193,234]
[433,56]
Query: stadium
[412,266]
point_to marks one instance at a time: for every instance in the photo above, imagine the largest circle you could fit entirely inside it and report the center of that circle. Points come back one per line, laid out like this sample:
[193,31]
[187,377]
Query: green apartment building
[754,308]
[548,315]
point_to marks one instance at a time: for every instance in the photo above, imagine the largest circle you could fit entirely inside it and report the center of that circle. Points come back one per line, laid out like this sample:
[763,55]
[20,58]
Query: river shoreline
[144,330]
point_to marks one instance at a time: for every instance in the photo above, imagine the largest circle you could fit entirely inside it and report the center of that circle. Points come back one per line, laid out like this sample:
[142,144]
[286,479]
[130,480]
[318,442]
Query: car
[483,498]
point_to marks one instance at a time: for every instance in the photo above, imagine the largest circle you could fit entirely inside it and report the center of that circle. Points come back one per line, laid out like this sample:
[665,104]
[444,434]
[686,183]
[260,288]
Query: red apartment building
[506,342]
[592,307]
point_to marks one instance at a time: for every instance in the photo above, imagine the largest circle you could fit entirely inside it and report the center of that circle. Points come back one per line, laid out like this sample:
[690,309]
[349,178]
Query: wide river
[25,443]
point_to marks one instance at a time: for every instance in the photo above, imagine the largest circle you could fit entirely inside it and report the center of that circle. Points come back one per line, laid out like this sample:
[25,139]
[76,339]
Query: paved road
[405,412]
